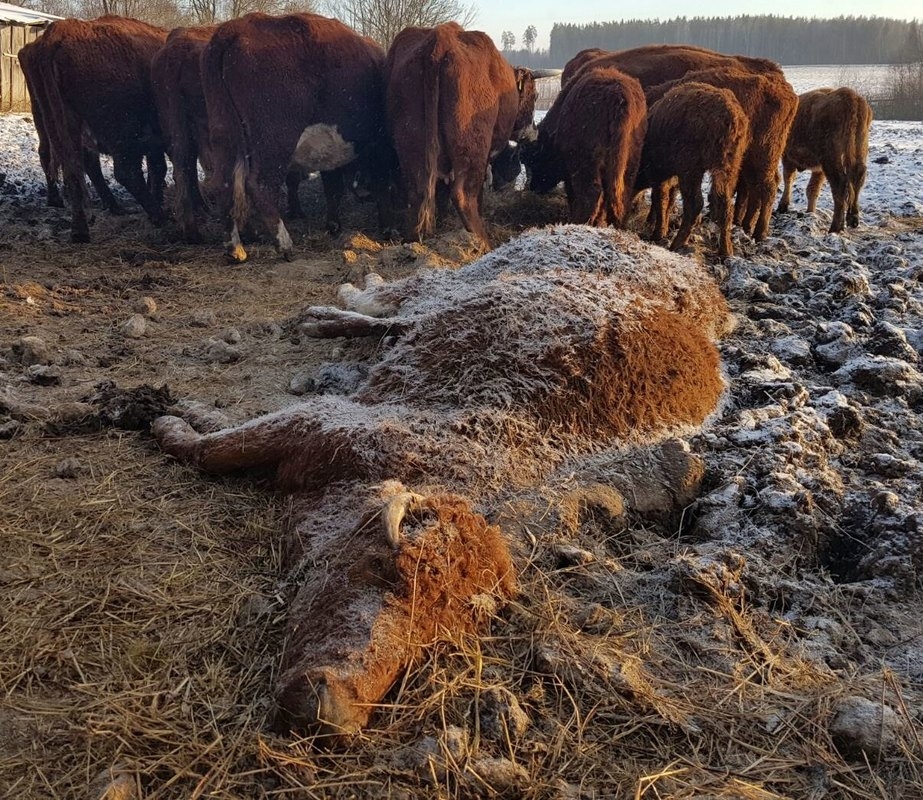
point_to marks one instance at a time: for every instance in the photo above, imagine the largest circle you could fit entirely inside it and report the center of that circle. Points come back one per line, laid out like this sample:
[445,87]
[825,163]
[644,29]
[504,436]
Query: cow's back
[272,77]
[102,70]
[655,64]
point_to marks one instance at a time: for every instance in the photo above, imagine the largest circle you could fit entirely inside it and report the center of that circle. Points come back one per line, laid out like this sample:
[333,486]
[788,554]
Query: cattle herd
[260,101]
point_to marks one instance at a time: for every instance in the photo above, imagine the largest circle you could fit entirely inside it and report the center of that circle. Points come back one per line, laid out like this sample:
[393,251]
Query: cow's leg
[839,186]
[261,445]
[156,161]
[292,182]
[789,173]
[95,173]
[443,200]
[334,189]
[73,169]
[740,203]
[815,184]
[50,168]
[127,169]
[263,186]
[466,190]
[721,193]
[759,206]
[690,187]
[187,197]
[660,194]
[856,182]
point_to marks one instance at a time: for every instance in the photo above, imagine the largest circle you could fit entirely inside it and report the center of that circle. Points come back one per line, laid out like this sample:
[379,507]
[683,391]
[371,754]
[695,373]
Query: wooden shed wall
[14,96]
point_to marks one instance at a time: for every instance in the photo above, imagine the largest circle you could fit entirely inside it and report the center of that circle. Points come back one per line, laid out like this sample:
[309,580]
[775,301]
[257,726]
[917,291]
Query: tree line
[787,40]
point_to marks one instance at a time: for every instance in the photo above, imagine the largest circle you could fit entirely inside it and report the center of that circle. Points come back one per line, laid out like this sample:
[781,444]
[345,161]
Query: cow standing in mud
[830,137]
[299,88]
[91,82]
[454,104]
[591,139]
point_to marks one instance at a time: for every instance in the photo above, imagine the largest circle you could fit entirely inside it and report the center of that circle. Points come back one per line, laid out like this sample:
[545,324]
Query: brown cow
[830,137]
[30,60]
[657,63]
[453,105]
[770,105]
[93,78]
[508,369]
[180,100]
[299,88]
[693,129]
[592,139]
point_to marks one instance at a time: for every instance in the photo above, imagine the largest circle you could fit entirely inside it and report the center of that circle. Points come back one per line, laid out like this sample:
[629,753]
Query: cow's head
[525,85]
[542,163]
[382,584]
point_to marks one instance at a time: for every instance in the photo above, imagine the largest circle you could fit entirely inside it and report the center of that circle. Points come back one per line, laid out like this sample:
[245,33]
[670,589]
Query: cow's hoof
[80,237]
[852,222]
[287,254]
[334,228]
[236,254]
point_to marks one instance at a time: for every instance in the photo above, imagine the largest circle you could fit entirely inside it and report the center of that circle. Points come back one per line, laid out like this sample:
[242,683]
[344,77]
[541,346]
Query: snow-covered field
[868,79]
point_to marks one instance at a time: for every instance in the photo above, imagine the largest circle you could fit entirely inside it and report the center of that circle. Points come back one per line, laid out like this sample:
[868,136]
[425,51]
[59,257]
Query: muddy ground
[763,643]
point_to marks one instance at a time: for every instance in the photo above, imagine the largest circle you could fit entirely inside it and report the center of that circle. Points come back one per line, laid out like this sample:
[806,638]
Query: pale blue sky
[496,16]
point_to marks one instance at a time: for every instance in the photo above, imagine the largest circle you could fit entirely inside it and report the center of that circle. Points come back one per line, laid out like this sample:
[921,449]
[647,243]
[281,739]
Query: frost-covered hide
[562,343]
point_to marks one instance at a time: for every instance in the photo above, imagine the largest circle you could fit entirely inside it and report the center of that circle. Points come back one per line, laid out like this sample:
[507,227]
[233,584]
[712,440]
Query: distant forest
[788,40]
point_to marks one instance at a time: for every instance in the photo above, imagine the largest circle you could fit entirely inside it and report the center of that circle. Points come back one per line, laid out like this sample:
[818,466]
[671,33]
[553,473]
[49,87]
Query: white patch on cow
[283,240]
[321,148]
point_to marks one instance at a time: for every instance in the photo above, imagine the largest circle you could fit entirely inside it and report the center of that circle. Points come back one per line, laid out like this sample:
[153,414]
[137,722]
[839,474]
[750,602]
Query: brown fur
[368,615]
[657,63]
[769,104]
[693,129]
[592,139]
[830,137]
[268,78]
[95,76]
[453,103]
[180,100]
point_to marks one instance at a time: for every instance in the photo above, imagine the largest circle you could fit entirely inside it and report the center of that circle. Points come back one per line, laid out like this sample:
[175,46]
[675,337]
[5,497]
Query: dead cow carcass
[454,104]
[299,88]
[830,137]
[693,129]
[501,372]
[592,139]
[92,83]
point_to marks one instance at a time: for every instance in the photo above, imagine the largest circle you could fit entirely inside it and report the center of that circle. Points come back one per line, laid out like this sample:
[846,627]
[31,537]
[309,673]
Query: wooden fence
[14,96]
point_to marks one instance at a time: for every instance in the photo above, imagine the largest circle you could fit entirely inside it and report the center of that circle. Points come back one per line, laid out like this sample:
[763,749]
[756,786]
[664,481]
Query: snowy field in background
[868,79]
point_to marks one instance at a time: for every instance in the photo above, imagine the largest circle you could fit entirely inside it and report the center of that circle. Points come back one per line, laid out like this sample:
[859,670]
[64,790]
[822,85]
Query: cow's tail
[227,134]
[617,164]
[426,218]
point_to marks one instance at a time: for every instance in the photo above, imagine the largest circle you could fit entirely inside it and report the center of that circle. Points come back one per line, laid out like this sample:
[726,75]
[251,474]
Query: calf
[693,129]
[93,78]
[592,139]
[830,137]
[454,104]
[769,104]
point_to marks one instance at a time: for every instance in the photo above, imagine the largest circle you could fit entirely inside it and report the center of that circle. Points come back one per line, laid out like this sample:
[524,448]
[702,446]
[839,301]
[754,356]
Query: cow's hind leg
[95,173]
[292,182]
[128,172]
[856,182]
[815,184]
[334,189]
[839,187]
[690,187]
[465,191]
[789,174]
[721,193]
